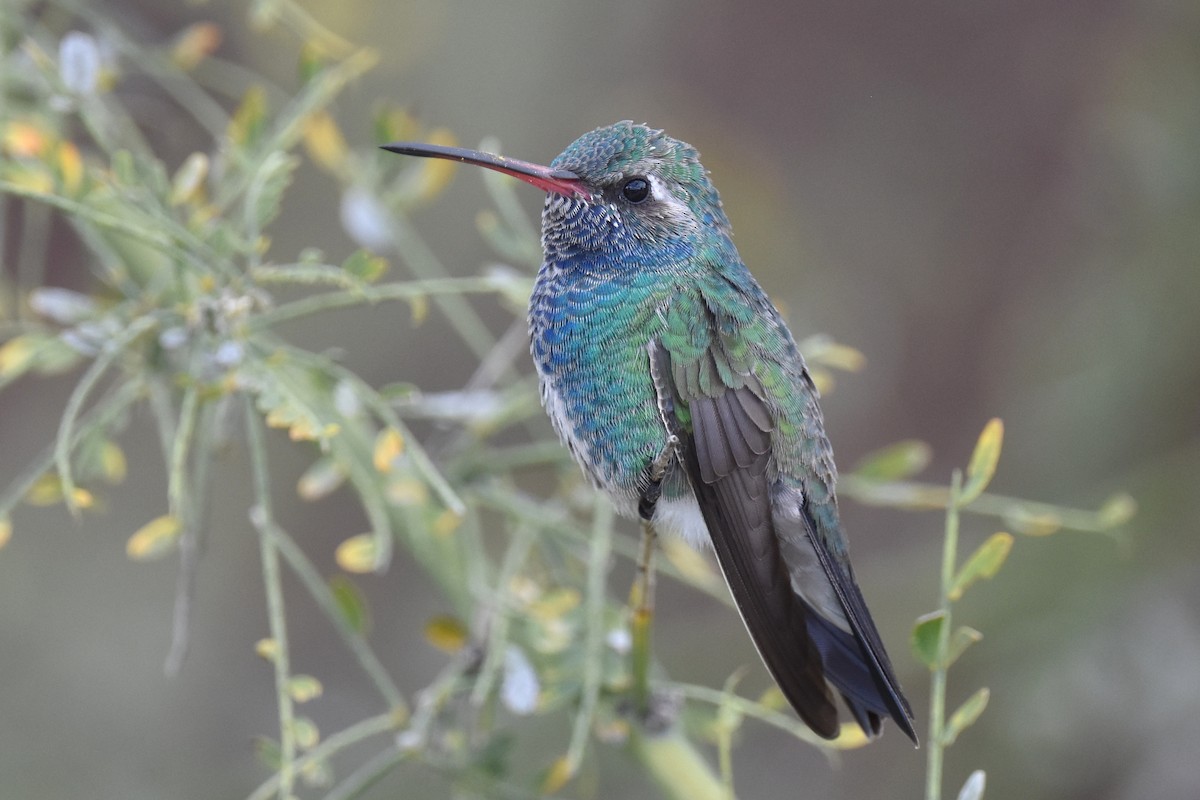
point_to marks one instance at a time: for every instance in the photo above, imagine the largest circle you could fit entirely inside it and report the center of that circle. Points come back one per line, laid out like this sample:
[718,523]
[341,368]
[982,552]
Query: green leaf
[351,603]
[197,42]
[45,354]
[983,563]
[112,464]
[18,354]
[305,732]
[303,688]
[973,788]
[357,554]
[268,752]
[1117,510]
[960,640]
[267,649]
[250,119]
[983,461]
[312,61]
[925,636]
[965,716]
[316,773]
[188,183]
[154,539]
[895,462]
[48,489]
[822,349]
[1028,523]
[389,446]
[306,274]
[323,478]
[557,775]
[446,633]
[365,266]
[293,396]
[265,193]
[99,457]
[124,167]
[393,123]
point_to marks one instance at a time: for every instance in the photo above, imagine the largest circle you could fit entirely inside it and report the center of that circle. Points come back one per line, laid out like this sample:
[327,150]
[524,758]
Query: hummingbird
[676,385]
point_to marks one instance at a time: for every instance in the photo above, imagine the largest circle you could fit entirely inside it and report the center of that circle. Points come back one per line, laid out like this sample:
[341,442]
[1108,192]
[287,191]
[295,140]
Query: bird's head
[624,190]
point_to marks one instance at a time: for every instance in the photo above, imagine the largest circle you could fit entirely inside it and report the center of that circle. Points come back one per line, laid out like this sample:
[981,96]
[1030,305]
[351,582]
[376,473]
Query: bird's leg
[641,599]
[656,470]
[664,398]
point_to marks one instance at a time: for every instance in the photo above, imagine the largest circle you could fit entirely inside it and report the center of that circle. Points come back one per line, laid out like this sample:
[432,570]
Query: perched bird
[679,390]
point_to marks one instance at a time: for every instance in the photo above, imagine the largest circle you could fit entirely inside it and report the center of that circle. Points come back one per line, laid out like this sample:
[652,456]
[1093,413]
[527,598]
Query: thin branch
[354,640]
[183,497]
[495,616]
[330,746]
[368,774]
[85,212]
[101,415]
[65,440]
[937,693]
[263,520]
[927,496]
[593,656]
[786,723]
[406,290]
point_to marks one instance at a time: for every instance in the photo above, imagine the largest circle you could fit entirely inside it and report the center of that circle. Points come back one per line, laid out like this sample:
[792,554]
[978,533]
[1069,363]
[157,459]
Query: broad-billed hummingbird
[679,390]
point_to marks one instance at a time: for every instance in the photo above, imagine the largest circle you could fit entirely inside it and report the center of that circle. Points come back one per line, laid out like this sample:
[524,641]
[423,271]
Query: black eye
[636,190]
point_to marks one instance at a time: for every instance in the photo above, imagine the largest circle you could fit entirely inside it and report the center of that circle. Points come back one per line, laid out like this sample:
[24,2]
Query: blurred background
[999,205]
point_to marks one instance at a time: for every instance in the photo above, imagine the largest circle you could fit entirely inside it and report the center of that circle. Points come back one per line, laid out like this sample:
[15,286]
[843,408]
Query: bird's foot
[659,712]
[655,471]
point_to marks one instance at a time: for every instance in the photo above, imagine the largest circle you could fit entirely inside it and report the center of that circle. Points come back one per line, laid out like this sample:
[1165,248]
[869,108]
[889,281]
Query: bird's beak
[559,181]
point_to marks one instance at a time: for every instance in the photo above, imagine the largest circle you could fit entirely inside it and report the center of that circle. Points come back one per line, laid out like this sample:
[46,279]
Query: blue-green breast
[589,323]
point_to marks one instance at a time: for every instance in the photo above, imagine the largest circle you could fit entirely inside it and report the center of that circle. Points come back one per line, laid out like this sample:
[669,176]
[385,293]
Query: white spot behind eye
[657,190]
[675,209]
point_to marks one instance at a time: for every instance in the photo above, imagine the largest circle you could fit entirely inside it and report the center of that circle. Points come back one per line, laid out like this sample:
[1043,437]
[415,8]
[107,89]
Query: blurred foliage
[184,321]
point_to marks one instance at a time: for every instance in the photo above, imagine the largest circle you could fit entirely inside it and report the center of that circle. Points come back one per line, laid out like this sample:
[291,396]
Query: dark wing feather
[857,664]
[725,456]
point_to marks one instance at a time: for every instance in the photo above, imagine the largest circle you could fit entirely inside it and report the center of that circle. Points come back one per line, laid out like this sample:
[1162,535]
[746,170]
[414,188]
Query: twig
[937,692]
[593,656]
[183,504]
[358,732]
[65,440]
[354,640]
[263,520]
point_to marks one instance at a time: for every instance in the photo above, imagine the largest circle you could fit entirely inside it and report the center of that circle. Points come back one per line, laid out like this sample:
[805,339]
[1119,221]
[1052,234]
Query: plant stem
[937,693]
[598,556]
[425,265]
[76,209]
[404,290]
[263,520]
[368,774]
[360,731]
[103,414]
[678,769]
[186,501]
[497,613]
[784,722]
[65,441]
[916,495]
[641,601]
[354,640]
